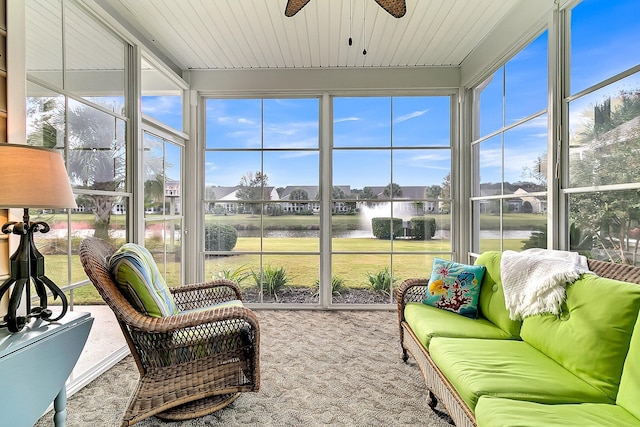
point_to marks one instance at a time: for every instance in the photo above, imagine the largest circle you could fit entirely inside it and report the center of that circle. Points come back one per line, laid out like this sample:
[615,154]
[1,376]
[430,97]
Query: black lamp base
[27,267]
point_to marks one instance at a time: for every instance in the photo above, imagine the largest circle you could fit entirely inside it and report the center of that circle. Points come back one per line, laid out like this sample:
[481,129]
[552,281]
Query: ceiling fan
[395,8]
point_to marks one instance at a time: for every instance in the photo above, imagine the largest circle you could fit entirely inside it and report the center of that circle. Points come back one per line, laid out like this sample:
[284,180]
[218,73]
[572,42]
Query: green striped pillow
[139,279]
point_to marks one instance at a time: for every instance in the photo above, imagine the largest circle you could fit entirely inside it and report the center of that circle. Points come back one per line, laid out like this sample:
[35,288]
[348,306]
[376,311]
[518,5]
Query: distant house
[224,200]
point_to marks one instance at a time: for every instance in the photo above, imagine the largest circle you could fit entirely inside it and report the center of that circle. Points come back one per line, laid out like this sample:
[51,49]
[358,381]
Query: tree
[432,192]
[538,172]
[608,148]
[337,193]
[392,190]
[253,187]
[299,194]
[368,193]
[445,194]
[96,151]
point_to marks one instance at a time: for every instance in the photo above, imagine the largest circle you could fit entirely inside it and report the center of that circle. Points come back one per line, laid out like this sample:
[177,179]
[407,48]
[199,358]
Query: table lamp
[31,177]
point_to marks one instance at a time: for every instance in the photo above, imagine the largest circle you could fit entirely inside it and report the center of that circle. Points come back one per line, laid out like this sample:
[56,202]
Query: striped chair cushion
[139,279]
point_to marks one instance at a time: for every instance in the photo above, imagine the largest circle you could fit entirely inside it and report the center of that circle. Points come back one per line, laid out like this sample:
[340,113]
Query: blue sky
[605,40]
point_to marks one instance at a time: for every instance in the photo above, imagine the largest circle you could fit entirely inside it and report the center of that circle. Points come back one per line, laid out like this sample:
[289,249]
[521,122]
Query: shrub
[238,275]
[382,227]
[219,237]
[271,280]
[337,285]
[424,228]
[381,281]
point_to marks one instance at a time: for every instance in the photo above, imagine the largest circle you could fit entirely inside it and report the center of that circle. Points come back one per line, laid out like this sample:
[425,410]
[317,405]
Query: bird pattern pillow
[455,287]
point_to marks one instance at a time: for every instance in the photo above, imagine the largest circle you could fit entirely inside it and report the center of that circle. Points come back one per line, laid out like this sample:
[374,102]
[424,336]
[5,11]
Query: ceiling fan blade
[294,6]
[395,8]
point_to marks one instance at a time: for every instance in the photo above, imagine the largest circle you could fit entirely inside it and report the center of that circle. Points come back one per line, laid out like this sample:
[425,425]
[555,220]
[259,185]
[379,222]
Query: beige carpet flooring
[319,368]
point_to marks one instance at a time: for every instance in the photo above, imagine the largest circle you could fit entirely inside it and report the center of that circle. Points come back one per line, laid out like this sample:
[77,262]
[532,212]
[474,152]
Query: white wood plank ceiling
[253,34]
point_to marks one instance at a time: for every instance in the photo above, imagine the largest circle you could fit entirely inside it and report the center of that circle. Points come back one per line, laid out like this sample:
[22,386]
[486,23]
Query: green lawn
[302,270]
[353,259]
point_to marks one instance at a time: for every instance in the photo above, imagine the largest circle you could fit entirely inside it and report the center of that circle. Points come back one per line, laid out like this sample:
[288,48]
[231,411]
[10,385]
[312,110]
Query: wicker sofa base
[437,384]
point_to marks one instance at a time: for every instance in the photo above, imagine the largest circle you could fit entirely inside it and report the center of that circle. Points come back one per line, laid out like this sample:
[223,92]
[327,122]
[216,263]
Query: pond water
[363,234]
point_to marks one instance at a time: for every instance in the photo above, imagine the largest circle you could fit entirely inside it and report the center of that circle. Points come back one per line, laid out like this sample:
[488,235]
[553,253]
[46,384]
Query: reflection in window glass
[526,90]
[606,225]
[489,96]
[161,97]
[97,155]
[43,38]
[490,155]
[45,118]
[525,154]
[94,60]
[604,40]
[163,205]
[605,135]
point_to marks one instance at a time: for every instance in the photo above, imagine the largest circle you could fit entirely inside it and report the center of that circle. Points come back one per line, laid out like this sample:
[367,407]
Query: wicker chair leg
[405,355]
[432,400]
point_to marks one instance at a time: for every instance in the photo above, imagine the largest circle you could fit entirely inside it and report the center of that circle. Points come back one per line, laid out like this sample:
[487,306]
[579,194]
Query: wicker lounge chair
[191,364]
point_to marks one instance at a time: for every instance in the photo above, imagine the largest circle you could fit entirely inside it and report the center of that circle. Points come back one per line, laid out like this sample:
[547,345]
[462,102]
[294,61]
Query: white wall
[326,79]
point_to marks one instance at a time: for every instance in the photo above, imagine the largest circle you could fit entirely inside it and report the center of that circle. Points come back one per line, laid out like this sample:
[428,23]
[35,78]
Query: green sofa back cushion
[139,279]
[629,393]
[591,336]
[491,302]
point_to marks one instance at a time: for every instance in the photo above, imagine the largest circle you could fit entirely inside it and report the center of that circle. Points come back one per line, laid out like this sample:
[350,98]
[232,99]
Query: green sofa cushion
[591,336]
[491,302]
[629,392]
[508,368]
[428,322]
[499,412]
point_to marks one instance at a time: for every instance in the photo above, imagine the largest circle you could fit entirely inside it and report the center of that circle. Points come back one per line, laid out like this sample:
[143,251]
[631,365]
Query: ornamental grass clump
[381,281]
[337,285]
[271,280]
[239,275]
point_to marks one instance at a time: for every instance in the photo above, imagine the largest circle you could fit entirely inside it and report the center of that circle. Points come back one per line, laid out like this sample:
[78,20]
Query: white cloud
[346,119]
[410,116]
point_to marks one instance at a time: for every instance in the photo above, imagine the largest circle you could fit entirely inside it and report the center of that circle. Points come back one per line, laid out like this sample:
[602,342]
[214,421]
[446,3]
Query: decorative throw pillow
[455,287]
[139,279]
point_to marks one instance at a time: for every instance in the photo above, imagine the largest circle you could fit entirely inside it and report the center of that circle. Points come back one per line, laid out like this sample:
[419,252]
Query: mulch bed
[302,295]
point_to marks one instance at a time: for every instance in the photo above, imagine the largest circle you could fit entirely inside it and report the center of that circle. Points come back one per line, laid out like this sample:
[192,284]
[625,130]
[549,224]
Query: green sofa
[581,368]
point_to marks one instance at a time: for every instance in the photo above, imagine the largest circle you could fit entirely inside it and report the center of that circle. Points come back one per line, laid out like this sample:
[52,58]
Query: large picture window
[387,199]
[509,150]
[262,197]
[76,103]
[602,189]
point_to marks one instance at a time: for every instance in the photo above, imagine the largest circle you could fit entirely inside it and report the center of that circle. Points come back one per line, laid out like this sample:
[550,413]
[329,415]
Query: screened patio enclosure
[313,175]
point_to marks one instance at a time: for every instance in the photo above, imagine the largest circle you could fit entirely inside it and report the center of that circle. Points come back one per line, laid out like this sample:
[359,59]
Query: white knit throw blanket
[534,280]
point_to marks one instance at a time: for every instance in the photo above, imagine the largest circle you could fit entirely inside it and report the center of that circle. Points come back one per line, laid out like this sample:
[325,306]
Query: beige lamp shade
[33,177]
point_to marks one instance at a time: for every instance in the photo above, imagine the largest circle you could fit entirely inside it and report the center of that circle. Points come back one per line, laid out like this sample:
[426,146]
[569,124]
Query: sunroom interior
[235,142]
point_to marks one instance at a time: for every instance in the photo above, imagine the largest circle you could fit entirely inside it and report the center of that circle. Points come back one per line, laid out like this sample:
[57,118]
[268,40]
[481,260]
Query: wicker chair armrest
[205,294]
[410,290]
[194,319]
